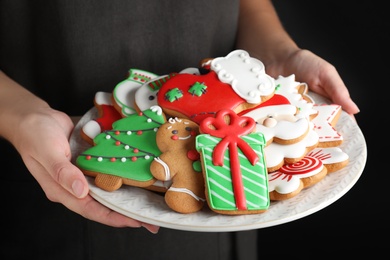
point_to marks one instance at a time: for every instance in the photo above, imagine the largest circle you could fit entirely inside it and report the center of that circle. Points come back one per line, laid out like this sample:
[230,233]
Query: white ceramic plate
[150,207]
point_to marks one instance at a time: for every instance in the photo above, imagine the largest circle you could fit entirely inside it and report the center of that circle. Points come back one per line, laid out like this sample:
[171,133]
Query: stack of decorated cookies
[225,135]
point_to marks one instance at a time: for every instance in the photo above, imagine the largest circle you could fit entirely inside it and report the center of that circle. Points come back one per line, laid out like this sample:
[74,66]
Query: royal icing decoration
[235,137]
[245,74]
[278,154]
[198,89]
[173,94]
[275,100]
[289,88]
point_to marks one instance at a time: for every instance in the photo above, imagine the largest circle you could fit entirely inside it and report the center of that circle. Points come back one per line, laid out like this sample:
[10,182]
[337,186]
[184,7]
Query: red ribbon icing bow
[230,133]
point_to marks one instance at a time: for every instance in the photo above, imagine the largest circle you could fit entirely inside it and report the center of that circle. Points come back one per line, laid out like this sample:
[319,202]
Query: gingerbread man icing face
[177,139]
[179,129]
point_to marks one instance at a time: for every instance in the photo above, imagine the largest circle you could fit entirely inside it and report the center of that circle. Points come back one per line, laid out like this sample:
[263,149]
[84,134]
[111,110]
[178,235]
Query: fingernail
[151,228]
[78,188]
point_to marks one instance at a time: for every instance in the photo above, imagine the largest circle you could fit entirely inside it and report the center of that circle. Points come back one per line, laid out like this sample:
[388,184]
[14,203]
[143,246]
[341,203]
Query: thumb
[69,177]
[65,173]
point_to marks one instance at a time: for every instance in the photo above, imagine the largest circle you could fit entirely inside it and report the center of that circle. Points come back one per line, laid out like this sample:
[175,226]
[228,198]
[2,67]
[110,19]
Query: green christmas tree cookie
[123,155]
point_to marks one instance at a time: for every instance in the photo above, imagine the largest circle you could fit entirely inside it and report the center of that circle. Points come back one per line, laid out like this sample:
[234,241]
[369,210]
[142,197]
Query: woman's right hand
[41,136]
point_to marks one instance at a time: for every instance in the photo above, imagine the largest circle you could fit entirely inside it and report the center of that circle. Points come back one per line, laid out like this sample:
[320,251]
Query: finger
[151,228]
[56,162]
[66,174]
[339,94]
[87,207]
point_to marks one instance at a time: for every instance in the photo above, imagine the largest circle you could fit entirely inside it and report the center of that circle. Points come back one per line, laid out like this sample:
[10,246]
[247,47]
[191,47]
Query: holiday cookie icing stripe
[323,123]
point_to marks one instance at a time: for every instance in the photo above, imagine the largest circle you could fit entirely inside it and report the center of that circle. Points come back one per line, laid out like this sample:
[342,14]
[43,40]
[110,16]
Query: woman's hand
[41,136]
[321,77]
[44,147]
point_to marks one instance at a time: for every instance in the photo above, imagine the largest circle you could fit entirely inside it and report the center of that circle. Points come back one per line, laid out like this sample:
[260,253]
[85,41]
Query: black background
[355,38]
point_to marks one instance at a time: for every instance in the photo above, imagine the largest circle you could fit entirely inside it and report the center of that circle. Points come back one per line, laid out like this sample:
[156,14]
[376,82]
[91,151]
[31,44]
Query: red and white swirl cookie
[290,179]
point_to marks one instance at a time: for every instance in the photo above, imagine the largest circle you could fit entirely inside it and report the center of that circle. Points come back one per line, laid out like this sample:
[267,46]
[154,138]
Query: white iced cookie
[124,91]
[324,125]
[279,124]
[289,88]
[278,154]
[290,179]
[246,75]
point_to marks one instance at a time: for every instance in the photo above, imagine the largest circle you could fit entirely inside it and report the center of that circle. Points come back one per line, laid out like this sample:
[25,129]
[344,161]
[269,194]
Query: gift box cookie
[233,164]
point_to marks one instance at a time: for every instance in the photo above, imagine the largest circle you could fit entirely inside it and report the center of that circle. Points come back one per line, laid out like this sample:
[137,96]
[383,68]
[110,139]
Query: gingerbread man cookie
[179,163]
